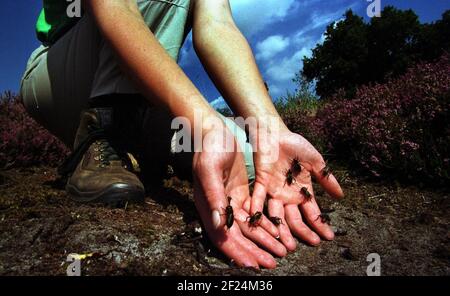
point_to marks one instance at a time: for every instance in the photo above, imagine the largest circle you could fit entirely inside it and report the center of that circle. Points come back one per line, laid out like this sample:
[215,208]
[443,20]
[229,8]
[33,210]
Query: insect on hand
[277,221]
[326,171]
[253,220]
[296,167]
[229,214]
[324,218]
[306,193]
[289,177]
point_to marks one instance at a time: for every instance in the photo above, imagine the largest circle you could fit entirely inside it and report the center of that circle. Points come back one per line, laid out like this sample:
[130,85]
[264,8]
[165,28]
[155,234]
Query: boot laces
[107,153]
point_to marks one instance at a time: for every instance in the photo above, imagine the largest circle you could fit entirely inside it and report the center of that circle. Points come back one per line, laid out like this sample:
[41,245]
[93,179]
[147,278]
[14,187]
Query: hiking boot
[97,171]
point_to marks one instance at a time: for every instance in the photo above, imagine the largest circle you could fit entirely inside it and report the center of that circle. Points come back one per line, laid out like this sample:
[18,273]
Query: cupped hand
[286,179]
[218,174]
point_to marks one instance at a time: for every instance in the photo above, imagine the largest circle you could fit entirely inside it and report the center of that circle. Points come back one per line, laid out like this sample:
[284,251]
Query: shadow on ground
[40,226]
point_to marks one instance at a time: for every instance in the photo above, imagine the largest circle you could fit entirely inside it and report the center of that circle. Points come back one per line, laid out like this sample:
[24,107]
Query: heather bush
[399,129]
[22,141]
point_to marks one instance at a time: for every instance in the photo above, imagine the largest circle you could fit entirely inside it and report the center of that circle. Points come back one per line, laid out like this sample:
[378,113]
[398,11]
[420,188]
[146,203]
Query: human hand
[289,186]
[219,174]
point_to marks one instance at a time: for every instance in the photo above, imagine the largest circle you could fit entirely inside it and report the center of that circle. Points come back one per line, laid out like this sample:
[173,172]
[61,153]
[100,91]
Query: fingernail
[216,219]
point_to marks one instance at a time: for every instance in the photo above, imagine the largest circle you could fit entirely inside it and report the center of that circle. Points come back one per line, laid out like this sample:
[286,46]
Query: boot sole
[113,195]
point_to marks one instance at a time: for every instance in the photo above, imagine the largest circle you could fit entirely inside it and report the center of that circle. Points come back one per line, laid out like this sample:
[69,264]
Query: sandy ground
[39,226]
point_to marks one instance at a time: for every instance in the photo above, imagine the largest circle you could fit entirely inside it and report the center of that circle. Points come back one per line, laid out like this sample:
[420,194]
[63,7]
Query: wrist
[209,122]
[268,126]
[209,132]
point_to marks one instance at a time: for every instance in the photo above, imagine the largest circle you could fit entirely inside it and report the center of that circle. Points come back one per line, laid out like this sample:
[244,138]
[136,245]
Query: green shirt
[53,21]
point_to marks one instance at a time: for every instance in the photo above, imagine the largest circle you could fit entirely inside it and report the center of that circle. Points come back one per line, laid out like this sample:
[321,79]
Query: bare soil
[39,226]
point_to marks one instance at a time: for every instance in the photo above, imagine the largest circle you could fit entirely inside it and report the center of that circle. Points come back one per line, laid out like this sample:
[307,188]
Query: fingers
[225,240]
[276,209]
[214,192]
[326,179]
[265,223]
[311,213]
[258,198]
[298,227]
[263,258]
[268,226]
[259,235]
[330,184]
[234,250]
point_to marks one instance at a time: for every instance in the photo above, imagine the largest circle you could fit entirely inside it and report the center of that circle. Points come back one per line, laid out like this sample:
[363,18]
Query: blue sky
[280,33]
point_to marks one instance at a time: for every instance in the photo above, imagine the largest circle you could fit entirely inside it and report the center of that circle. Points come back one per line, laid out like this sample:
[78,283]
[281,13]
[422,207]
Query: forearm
[229,60]
[145,61]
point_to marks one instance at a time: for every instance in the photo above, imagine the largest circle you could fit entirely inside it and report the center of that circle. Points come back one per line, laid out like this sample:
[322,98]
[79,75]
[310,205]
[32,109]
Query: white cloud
[285,70]
[254,15]
[271,46]
[251,16]
[322,38]
[279,53]
[316,22]
[283,67]
[338,21]
[280,72]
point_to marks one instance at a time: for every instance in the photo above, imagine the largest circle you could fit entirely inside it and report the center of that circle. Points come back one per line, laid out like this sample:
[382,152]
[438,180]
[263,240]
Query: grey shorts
[60,80]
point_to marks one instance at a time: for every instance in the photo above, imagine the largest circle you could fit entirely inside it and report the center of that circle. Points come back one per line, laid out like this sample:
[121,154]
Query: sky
[280,33]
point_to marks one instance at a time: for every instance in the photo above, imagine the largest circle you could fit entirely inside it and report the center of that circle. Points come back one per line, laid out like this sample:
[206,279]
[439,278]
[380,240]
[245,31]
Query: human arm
[228,59]
[162,82]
